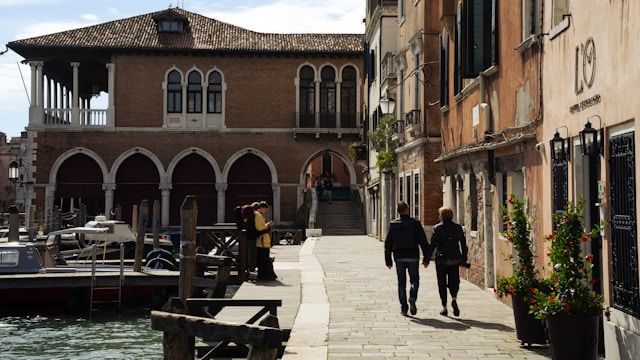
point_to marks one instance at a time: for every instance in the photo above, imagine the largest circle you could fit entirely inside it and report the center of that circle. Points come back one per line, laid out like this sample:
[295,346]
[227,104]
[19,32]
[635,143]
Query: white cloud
[295,16]
[45,28]
[89,17]
[113,11]
[13,98]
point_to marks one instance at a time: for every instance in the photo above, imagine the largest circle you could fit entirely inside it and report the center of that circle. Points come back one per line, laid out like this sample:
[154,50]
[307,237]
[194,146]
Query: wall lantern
[14,171]
[559,148]
[387,105]
[590,142]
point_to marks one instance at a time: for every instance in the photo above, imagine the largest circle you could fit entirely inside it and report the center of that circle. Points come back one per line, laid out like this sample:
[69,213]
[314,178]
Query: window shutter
[482,31]
[457,55]
[444,74]
[494,34]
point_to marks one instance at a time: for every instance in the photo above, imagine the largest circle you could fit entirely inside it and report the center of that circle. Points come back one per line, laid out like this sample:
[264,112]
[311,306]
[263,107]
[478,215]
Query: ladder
[94,286]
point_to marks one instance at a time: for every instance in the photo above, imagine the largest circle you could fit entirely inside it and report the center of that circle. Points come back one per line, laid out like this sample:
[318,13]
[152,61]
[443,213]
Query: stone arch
[192,150]
[352,171]
[79,150]
[258,153]
[137,150]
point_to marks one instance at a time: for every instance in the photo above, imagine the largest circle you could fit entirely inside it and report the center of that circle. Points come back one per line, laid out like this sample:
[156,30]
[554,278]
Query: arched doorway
[249,180]
[193,175]
[137,179]
[79,177]
[327,165]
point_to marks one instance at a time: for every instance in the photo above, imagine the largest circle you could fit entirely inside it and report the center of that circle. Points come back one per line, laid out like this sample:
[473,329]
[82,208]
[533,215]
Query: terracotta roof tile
[201,33]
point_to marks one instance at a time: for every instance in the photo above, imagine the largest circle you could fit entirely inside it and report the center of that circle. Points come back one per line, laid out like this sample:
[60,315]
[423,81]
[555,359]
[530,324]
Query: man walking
[405,236]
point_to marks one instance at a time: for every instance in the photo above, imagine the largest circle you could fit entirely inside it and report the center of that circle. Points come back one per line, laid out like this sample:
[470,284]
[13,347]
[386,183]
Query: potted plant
[571,309]
[357,151]
[522,284]
[386,160]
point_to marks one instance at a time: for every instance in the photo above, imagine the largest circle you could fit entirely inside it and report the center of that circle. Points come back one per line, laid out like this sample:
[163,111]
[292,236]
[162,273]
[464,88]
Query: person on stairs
[403,240]
[449,243]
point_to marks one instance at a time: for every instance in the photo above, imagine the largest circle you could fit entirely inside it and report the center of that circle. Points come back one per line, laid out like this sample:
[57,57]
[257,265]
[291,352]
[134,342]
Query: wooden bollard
[14,223]
[243,255]
[134,220]
[176,345]
[144,210]
[188,221]
[156,224]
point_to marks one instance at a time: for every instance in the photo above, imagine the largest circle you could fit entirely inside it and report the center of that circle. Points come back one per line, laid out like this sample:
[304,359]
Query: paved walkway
[347,308]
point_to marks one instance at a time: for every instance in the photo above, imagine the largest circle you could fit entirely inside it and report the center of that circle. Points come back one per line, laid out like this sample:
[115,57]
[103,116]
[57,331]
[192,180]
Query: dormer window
[171,21]
[174,26]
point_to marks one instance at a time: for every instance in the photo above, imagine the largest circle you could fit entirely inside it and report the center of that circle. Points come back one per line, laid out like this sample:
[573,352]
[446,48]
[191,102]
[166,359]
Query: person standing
[319,188]
[263,244]
[404,240]
[450,246]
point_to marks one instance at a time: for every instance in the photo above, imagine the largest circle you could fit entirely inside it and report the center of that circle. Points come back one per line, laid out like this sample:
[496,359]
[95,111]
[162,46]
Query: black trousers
[265,266]
[448,277]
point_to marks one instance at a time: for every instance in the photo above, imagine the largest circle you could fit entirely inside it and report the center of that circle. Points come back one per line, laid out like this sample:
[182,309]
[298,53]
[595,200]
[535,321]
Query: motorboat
[19,258]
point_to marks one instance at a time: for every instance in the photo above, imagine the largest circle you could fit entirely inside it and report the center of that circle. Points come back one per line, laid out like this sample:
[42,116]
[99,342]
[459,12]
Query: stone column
[487,208]
[221,188]
[338,104]
[35,116]
[111,108]
[316,103]
[275,188]
[108,199]
[75,111]
[166,203]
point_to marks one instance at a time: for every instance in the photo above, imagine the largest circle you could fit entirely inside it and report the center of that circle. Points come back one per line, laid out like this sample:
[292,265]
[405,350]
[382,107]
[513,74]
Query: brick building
[490,100]
[195,106]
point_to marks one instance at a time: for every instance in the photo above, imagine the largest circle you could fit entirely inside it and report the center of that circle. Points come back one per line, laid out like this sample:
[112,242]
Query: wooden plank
[214,260]
[255,335]
[204,282]
[233,302]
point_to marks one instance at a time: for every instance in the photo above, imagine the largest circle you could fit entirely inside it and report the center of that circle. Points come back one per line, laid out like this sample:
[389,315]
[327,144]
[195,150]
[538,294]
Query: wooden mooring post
[156,224]
[142,218]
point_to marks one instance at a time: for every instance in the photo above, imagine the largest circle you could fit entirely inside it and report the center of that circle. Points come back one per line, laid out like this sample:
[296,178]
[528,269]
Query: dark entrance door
[624,241]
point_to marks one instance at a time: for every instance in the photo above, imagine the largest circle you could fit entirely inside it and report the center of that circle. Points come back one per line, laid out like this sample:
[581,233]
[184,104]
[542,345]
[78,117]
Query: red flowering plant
[524,281]
[571,282]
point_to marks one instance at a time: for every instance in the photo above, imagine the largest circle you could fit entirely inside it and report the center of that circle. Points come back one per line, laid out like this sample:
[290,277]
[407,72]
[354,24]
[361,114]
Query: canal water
[109,335]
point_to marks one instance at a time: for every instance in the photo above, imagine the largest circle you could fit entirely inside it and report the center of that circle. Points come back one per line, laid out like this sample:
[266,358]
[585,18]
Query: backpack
[237,216]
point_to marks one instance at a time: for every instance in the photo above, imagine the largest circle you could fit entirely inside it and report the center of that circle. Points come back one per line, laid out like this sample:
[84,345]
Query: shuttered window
[444,69]
[479,36]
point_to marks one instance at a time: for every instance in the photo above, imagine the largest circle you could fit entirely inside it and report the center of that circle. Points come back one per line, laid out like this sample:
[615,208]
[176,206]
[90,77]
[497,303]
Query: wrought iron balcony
[398,131]
[327,122]
[413,123]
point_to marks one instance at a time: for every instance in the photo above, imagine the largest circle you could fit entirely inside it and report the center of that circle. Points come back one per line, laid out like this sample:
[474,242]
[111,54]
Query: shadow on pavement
[485,325]
[439,324]
[271,283]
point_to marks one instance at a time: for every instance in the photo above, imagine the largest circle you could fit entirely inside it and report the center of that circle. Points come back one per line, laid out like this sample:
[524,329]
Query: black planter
[573,336]
[528,329]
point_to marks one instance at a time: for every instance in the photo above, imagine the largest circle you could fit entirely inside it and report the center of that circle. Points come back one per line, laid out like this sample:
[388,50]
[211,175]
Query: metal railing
[326,120]
[412,117]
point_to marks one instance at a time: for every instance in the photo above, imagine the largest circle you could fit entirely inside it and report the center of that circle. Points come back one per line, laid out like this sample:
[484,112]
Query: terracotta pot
[573,336]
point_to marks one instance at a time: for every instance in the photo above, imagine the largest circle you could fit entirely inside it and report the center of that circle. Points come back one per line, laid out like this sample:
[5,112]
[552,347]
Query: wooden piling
[144,210]
[156,224]
[134,220]
[14,223]
[188,221]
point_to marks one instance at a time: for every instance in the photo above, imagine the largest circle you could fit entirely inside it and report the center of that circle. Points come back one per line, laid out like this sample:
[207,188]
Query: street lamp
[14,171]
[589,142]
[387,105]
[559,149]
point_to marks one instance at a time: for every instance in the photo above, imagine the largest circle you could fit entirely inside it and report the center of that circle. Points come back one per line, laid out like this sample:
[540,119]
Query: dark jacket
[405,234]
[449,242]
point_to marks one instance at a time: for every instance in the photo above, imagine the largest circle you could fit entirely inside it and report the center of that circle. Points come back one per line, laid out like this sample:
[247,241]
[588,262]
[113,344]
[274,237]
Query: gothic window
[174,92]
[194,92]
[214,93]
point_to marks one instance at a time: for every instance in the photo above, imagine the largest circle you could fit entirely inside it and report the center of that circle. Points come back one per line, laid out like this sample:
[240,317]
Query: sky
[20,19]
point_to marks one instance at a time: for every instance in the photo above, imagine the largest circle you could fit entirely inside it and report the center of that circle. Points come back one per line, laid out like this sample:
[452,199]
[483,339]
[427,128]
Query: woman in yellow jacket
[263,244]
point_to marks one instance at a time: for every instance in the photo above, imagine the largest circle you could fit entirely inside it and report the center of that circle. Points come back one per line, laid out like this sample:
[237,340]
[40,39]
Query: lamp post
[14,172]
[559,148]
[387,105]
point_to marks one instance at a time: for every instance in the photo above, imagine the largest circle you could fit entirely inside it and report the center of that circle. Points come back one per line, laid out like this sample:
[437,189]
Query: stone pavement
[347,307]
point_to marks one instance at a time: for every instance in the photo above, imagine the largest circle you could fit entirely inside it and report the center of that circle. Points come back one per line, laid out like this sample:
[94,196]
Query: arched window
[328,97]
[194,92]
[174,92]
[348,98]
[307,97]
[214,93]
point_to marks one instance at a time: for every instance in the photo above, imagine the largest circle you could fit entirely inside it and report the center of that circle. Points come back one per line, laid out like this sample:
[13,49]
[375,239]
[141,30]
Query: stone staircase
[340,218]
